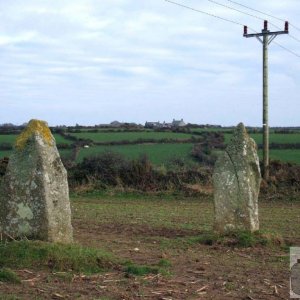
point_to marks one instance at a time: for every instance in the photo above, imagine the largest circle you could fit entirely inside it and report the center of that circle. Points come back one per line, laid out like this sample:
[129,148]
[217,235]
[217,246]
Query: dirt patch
[197,272]
[131,230]
[189,270]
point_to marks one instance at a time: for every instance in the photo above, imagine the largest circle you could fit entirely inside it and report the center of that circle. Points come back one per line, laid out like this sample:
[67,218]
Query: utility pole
[267,38]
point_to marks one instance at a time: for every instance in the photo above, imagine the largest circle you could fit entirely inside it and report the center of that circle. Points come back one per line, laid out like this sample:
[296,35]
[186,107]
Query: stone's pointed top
[34,127]
[239,134]
[240,127]
[240,130]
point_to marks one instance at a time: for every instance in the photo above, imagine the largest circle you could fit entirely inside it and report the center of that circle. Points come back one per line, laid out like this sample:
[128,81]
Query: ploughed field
[166,250]
[160,147]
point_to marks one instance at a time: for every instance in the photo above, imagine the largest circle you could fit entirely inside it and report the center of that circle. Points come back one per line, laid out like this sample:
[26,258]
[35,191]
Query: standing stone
[35,195]
[236,181]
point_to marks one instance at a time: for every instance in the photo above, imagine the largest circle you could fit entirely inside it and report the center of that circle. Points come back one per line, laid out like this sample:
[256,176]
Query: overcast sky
[95,61]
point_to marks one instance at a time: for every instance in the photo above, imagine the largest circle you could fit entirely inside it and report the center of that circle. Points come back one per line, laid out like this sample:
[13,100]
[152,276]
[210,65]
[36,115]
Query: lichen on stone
[34,127]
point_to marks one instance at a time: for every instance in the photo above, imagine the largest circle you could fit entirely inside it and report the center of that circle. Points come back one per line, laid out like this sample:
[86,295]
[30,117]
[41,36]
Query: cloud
[92,61]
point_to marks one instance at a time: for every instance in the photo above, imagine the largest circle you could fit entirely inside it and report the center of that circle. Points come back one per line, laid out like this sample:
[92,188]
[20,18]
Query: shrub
[5,146]
[203,154]
[3,165]
[112,169]
[105,167]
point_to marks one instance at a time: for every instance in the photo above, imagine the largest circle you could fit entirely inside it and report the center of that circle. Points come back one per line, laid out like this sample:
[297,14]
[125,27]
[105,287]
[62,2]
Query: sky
[95,61]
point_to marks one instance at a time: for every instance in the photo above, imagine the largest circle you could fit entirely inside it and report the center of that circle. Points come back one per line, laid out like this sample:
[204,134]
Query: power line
[204,12]
[225,19]
[261,12]
[286,49]
[251,15]
[229,7]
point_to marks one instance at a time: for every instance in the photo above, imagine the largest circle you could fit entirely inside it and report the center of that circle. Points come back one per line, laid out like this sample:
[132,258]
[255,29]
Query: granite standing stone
[236,181]
[34,201]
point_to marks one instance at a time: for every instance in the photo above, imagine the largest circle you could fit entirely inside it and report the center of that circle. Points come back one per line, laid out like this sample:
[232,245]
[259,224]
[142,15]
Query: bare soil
[196,271]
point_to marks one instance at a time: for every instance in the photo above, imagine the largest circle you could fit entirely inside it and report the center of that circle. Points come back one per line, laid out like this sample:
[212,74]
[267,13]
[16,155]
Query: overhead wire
[240,11]
[286,49]
[264,13]
[251,15]
[226,19]
[203,12]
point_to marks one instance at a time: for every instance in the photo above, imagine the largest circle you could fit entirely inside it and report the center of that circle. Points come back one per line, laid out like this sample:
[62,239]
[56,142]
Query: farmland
[130,136]
[167,243]
[144,232]
[160,147]
[10,139]
[157,153]
[279,138]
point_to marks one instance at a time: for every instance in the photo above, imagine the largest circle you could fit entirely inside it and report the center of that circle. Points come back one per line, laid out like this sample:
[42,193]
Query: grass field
[10,139]
[5,153]
[4,138]
[274,138]
[176,212]
[171,250]
[161,153]
[130,136]
[213,129]
[157,153]
[288,155]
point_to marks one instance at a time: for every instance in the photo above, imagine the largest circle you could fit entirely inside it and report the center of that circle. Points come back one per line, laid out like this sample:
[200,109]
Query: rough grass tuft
[244,239]
[251,239]
[207,238]
[58,257]
[141,270]
[7,275]
[9,297]
[164,263]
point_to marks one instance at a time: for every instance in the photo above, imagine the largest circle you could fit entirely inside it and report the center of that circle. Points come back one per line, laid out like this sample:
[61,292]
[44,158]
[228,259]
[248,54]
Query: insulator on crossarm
[286,26]
[245,30]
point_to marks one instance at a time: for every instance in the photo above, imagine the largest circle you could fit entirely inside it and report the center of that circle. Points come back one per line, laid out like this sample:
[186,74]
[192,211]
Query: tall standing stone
[35,195]
[236,181]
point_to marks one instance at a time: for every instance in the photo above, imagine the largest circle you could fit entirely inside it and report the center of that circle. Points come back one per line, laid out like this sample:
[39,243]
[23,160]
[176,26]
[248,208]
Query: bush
[203,154]
[5,146]
[112,169]
[105,167]
[3,165]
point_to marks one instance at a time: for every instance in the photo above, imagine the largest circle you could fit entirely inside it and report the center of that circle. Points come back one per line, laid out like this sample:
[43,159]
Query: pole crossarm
[249,35]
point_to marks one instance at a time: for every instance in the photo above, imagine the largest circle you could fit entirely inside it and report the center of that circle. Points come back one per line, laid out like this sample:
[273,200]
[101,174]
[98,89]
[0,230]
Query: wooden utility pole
[266,41]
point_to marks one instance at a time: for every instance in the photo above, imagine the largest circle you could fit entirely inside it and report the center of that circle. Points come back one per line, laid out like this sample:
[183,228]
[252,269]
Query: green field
[9,139]
[212,129]
[130,136]
[170,212]
[279,138]
[286,155]
[5,138]
[63,153]
[161,153]
[157,153]
[129,246]
[5,153]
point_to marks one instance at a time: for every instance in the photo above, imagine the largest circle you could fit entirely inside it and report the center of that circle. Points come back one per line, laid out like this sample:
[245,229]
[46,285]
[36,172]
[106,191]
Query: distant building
[175,123]
[178,123]
[153,125]
[116,124]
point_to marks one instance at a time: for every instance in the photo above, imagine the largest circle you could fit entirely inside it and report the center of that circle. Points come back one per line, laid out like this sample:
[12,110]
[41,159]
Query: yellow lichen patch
[34,127]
